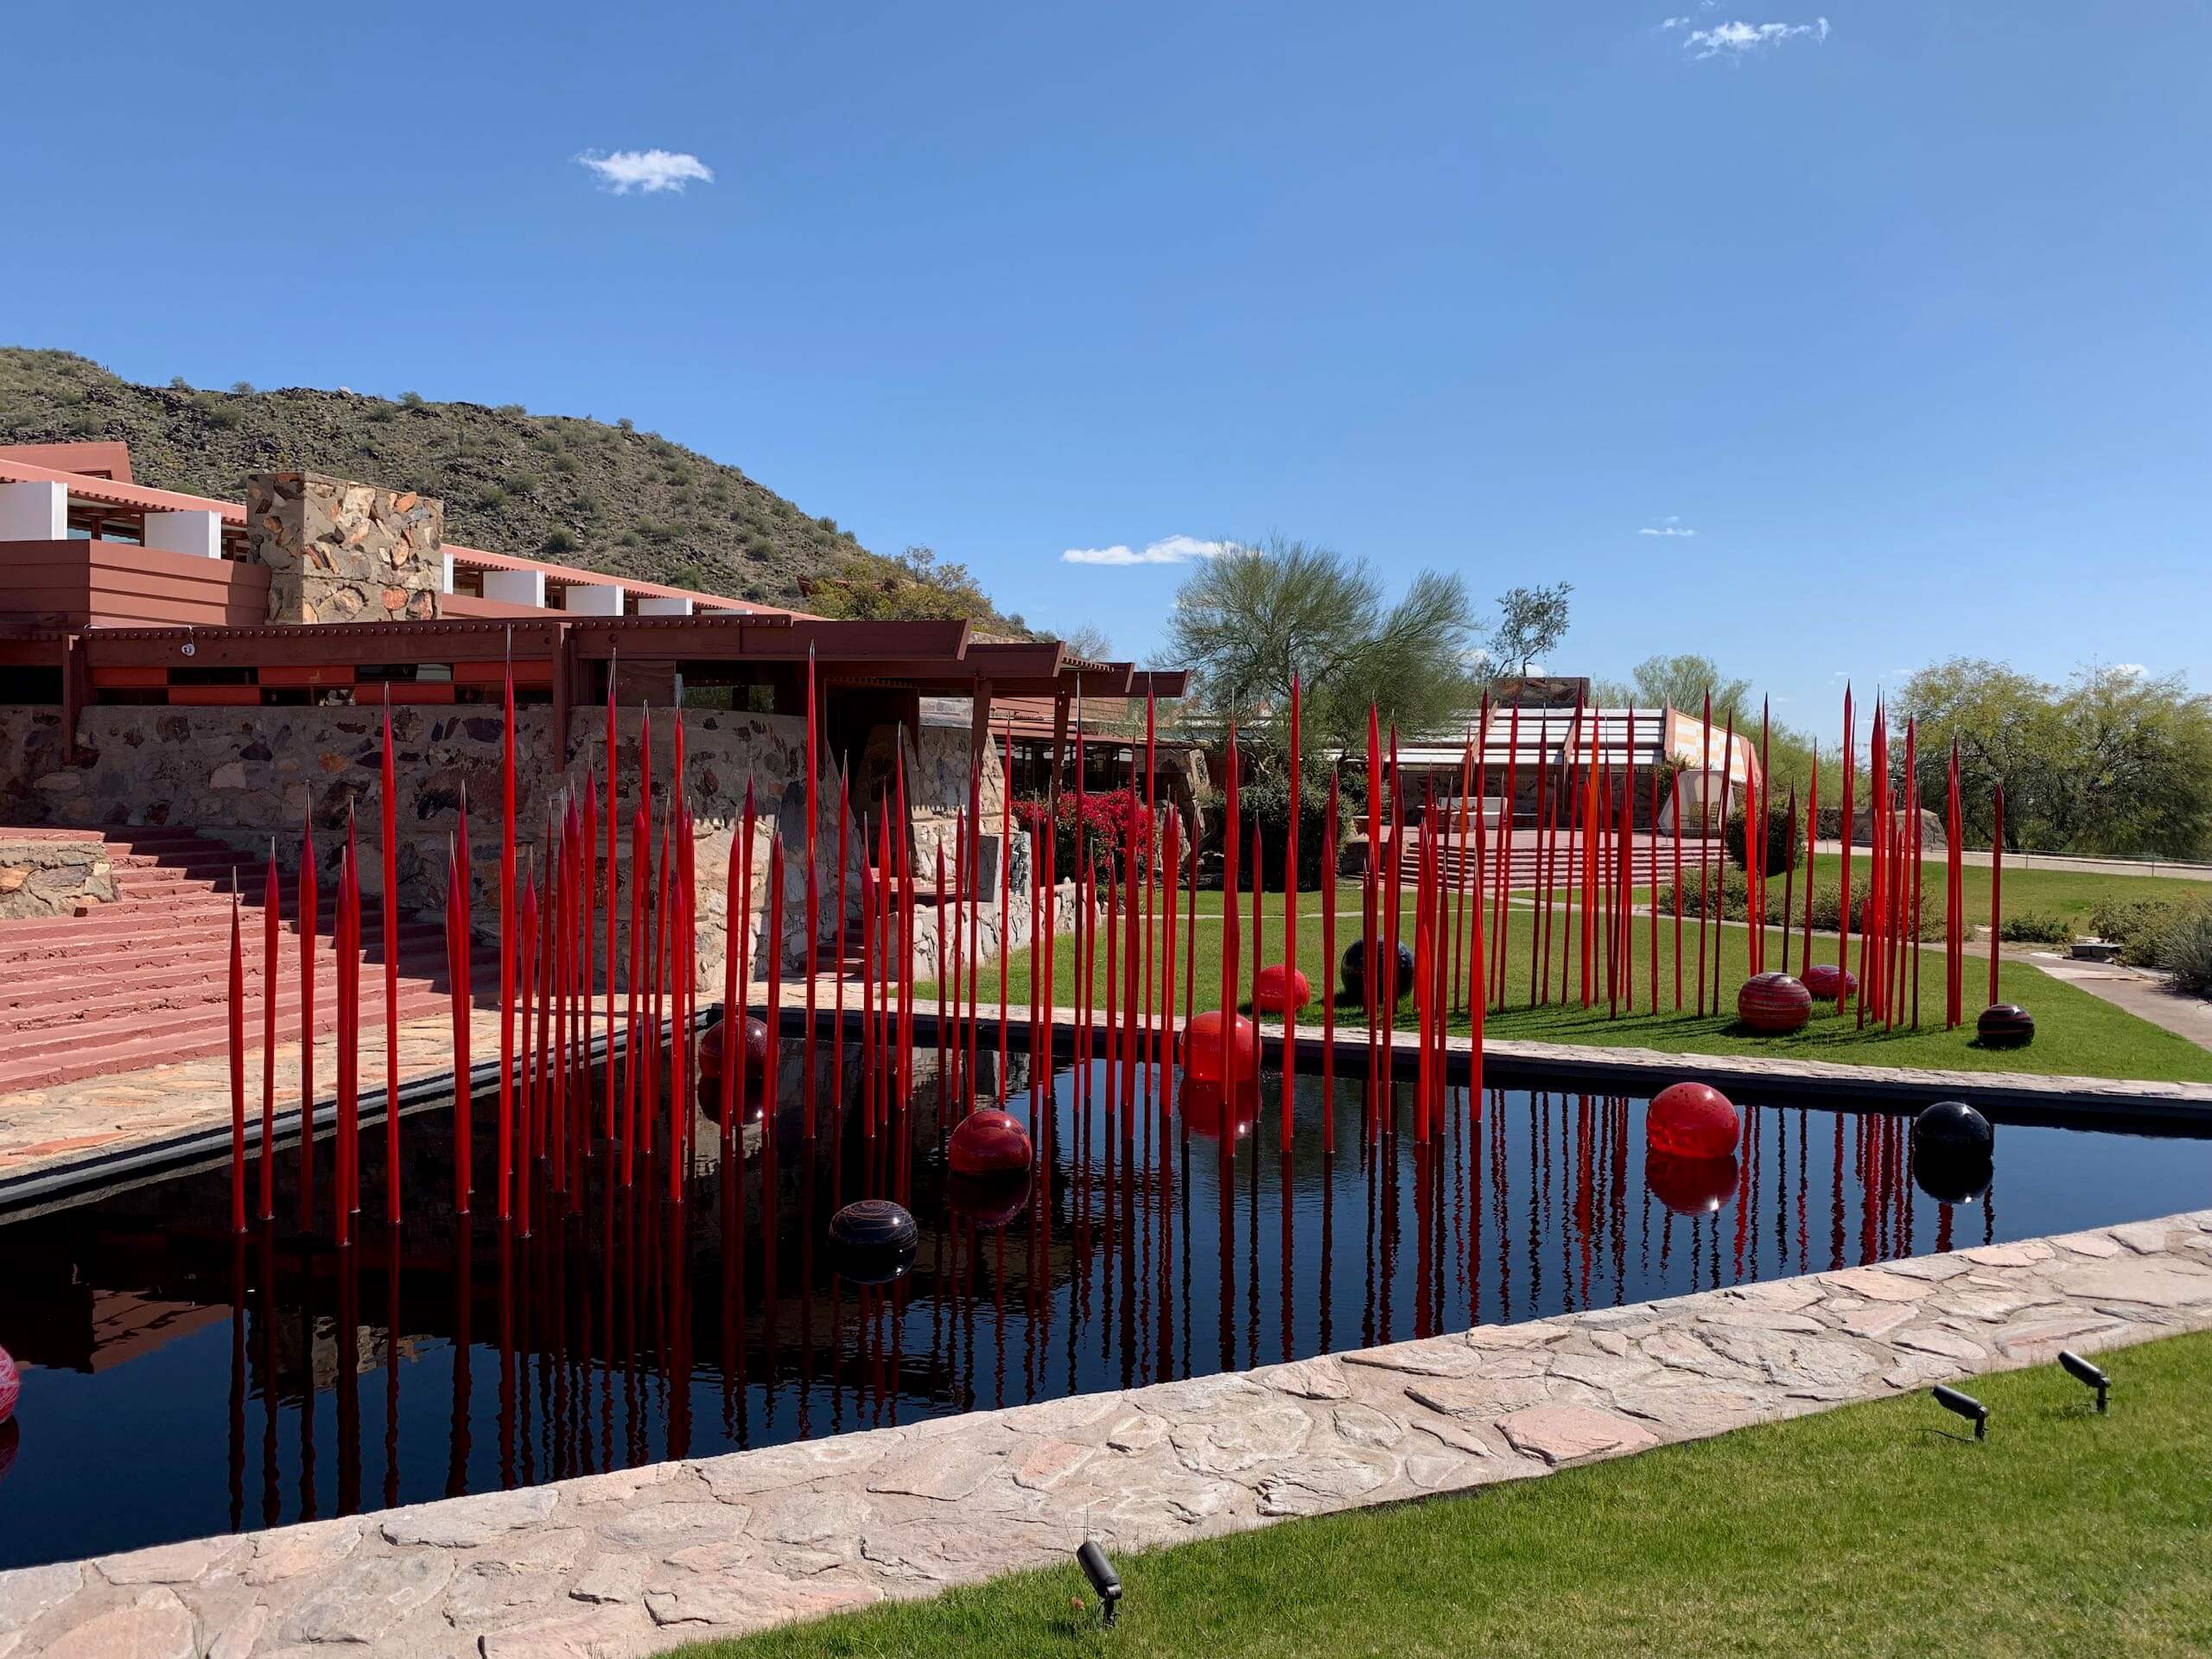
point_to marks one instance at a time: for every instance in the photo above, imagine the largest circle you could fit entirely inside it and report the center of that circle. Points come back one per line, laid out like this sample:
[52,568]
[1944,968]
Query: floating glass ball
[756,1049]
[11,1385]
[1692,1120]
[1267,991]
[1952,1126]
[1825,981]
[1208,1109]
[1690,1186]
[1774,1003]
[873,1240]
[2006,1024]
[1202,1047]
[988,1142]
[1353,972]
[991,1200]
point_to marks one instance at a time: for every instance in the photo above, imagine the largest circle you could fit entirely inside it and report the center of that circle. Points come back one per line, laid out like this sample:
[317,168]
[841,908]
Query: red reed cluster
[551,913]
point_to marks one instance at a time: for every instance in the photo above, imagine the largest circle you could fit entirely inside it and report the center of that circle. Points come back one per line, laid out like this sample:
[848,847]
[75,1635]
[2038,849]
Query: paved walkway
[65,1122]
[2146,995]
[641,1560]
[2064,861]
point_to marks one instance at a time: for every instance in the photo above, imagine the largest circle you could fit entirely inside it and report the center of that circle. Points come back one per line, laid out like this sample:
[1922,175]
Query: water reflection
[227,1383]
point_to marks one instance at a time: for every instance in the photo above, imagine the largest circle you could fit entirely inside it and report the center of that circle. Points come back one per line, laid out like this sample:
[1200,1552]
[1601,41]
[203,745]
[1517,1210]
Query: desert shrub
[559,541]
[1781,847]
[1267,799]
[2140,926]
[2035,927]
[411,399]
[2185,951]
[1735,896]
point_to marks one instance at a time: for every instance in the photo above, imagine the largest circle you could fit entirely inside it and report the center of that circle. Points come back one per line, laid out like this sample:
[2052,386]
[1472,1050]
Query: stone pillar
[339,551]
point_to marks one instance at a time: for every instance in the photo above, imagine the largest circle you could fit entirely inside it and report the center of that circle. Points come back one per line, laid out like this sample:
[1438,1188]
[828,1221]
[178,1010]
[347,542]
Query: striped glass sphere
[1826,981]
[1774,1002]
[2006,1024]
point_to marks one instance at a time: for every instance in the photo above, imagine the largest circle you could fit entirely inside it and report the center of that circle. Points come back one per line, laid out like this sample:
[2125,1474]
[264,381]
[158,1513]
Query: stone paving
[642,1560]
[42,1128]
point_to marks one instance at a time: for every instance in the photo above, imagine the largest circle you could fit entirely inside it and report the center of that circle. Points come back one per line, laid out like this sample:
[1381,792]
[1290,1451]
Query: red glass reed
[270,928]
[1289,923]
[307,1023]
[236,1032]
[1996,888]
[389,823]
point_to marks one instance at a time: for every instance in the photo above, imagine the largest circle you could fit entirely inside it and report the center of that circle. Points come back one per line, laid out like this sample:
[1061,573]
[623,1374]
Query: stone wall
[47,876]
[339,551]
[249,776]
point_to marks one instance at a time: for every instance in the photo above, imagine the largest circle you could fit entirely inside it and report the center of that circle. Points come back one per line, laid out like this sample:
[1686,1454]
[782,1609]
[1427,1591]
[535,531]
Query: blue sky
[1904,317]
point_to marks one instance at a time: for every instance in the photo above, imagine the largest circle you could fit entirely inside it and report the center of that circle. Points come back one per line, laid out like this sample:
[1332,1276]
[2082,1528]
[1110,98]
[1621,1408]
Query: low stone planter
[49,877]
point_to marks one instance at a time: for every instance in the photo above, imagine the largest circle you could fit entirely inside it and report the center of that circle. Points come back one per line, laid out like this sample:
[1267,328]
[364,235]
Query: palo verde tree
[1247,622]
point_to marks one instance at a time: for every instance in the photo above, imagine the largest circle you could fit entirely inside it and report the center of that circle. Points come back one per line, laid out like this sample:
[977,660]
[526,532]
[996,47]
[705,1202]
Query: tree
[1531,621]
[1682,682]
[1088,642]
[2139,773]
[2008,732]
[1246,621]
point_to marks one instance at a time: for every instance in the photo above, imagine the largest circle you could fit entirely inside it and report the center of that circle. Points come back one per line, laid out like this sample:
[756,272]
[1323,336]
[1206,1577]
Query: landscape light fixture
[1103,1579]
[1964,1405]
[2086,1375]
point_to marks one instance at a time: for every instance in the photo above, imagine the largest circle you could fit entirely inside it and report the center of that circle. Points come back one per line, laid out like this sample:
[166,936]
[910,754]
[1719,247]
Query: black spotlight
[1966,1406]
[1103,1579]
[2086,1374]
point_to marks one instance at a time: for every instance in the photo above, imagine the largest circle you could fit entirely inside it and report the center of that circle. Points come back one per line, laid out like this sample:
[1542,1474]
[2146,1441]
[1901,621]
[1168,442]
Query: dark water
[179,1382]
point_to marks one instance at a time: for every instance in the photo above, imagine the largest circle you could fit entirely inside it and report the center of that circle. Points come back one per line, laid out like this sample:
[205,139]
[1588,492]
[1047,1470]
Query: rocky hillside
[611,498]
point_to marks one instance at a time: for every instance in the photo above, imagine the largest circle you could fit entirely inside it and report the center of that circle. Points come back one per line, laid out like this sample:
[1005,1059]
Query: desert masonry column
[338,551]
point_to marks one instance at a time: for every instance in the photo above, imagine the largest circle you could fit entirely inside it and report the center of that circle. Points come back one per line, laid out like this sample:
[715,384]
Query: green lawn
[2076,1033]
[2067,894]
[1872,1529]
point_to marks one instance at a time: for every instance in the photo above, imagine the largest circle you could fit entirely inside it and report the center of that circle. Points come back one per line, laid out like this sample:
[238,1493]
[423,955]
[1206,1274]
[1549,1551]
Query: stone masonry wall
[50,877]
[247,776]
[339,551]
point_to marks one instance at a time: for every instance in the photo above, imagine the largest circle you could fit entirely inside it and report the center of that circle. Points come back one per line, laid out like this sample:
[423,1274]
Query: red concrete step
[89,1056]
[63,1004]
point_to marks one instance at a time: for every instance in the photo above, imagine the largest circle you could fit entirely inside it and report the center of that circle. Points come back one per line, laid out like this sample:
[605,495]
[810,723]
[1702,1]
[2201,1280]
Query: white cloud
[2133,671]
[1169,549]
[1672,525]
[1738,41]
[647,170]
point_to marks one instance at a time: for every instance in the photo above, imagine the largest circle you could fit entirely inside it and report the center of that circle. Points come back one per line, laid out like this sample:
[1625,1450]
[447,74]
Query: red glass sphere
[1690,1186]
[1208,1109]
[11,1385]
[1774,1002]
[1202,1047]
[756,1050]
[1825,981]
[1691,1120]
[1267,991]
[988,1142]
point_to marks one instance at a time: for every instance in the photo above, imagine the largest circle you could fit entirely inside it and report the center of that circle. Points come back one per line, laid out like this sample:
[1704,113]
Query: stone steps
[145,979]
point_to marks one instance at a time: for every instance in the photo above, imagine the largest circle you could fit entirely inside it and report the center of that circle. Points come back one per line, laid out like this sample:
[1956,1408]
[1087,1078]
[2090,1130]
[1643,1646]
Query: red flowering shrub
[1109,820]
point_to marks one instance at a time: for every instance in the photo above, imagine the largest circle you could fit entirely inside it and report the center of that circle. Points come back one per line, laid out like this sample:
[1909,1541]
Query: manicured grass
[1872,1529]
[2067,894]
[2076,1033]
